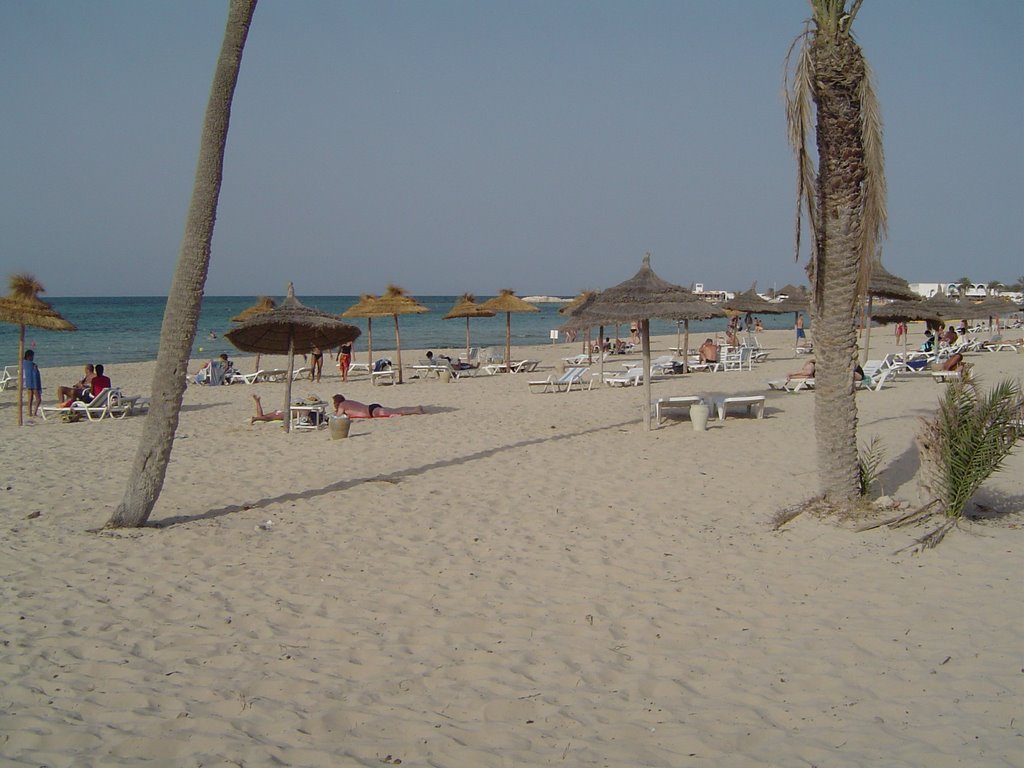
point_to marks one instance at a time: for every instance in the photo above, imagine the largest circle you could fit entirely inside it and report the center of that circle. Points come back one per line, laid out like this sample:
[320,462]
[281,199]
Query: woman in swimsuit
[318,364]
[344,360]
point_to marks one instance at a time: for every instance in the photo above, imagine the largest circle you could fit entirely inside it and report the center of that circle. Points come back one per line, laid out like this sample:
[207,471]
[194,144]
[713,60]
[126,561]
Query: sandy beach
[513,579]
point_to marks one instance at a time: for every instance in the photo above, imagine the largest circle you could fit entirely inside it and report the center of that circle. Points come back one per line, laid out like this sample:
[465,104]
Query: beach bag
[381,365]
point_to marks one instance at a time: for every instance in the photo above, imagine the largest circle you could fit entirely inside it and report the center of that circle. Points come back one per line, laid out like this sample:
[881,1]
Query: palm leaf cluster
[831,36]
[968,440]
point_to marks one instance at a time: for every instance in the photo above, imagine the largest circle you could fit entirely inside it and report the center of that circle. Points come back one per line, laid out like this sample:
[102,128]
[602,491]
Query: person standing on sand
[800,335]
[32,381]
[344,360]
[318,364]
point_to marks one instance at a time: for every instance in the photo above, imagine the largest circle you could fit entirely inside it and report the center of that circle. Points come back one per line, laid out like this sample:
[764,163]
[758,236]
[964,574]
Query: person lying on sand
[807,372]
[261,416]
[356,410]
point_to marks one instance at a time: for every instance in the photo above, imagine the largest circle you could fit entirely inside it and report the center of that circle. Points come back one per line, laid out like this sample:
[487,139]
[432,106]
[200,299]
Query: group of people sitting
[85,389]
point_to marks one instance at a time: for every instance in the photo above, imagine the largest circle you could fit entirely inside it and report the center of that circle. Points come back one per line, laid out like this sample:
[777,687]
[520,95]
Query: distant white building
[977,290]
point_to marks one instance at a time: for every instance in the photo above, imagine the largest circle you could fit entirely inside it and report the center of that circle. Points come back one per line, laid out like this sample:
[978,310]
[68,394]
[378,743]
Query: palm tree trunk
[288,381]
[398,349]
[645,330]
[21,371]
[839,70]
[185,297]
[369,341]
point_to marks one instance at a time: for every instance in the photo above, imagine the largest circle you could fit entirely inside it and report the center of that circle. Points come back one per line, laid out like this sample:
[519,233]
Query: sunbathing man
[261,416]
[807,372]
[708,351]
[356,410]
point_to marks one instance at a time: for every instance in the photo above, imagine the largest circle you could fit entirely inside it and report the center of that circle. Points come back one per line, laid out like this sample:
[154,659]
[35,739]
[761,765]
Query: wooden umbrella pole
[369,341]
[508,342]
[288,381]
[21,370]
[645,327]
[467,339]
[600,363]
[685,351]
[398,350]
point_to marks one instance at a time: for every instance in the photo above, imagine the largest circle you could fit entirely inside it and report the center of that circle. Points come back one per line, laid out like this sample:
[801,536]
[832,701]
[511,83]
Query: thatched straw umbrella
[645,295]
[395,302]
[750,301]
[508,302]
[289,328]
[21,307]
[884,285]
[365,308]
[263,304]
[467,307]
[989,307]
[944,307]
[903,312]
[575,324]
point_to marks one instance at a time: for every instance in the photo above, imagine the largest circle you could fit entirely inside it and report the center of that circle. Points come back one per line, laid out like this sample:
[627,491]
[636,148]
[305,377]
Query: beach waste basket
[445,376]
[699,413]
[339,426]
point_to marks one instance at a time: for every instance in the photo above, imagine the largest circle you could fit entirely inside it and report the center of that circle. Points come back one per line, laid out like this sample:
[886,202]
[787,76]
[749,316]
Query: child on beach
[32,381]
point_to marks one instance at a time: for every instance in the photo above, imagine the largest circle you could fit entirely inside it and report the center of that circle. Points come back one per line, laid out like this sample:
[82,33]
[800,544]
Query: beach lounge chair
[753,403]
[212,373]
[679,402]
[8,379]
[634,377]
[792,385]
[572,376]
[945,377]
[93,410]
[383,372]
[737,359]
[245,378]
[524,366]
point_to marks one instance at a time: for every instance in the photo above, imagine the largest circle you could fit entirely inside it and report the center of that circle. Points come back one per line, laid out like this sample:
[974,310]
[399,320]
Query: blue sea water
[126,329]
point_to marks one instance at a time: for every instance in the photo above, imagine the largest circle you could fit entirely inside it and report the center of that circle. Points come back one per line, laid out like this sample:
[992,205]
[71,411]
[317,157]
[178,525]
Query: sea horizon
[126,329]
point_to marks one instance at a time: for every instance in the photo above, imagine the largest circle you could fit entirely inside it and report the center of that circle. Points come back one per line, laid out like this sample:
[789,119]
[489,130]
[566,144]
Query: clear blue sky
[538,145]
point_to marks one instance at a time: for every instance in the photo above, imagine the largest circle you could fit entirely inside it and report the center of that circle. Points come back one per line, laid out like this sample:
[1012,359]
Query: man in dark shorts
[356,410]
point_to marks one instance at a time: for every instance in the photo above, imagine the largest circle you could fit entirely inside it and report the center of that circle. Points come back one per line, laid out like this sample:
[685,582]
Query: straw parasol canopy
[395,302]
[903,312]
[575,324]
[798,299]
[289,328]
[467,307]
[365,308]
[990,306]
[645,295]
[508,302]
[750,301]
[263,304]
[945,308]
[21,307]
[884,285]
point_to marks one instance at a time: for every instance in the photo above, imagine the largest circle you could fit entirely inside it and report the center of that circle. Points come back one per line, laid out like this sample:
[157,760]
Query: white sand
[514,579]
